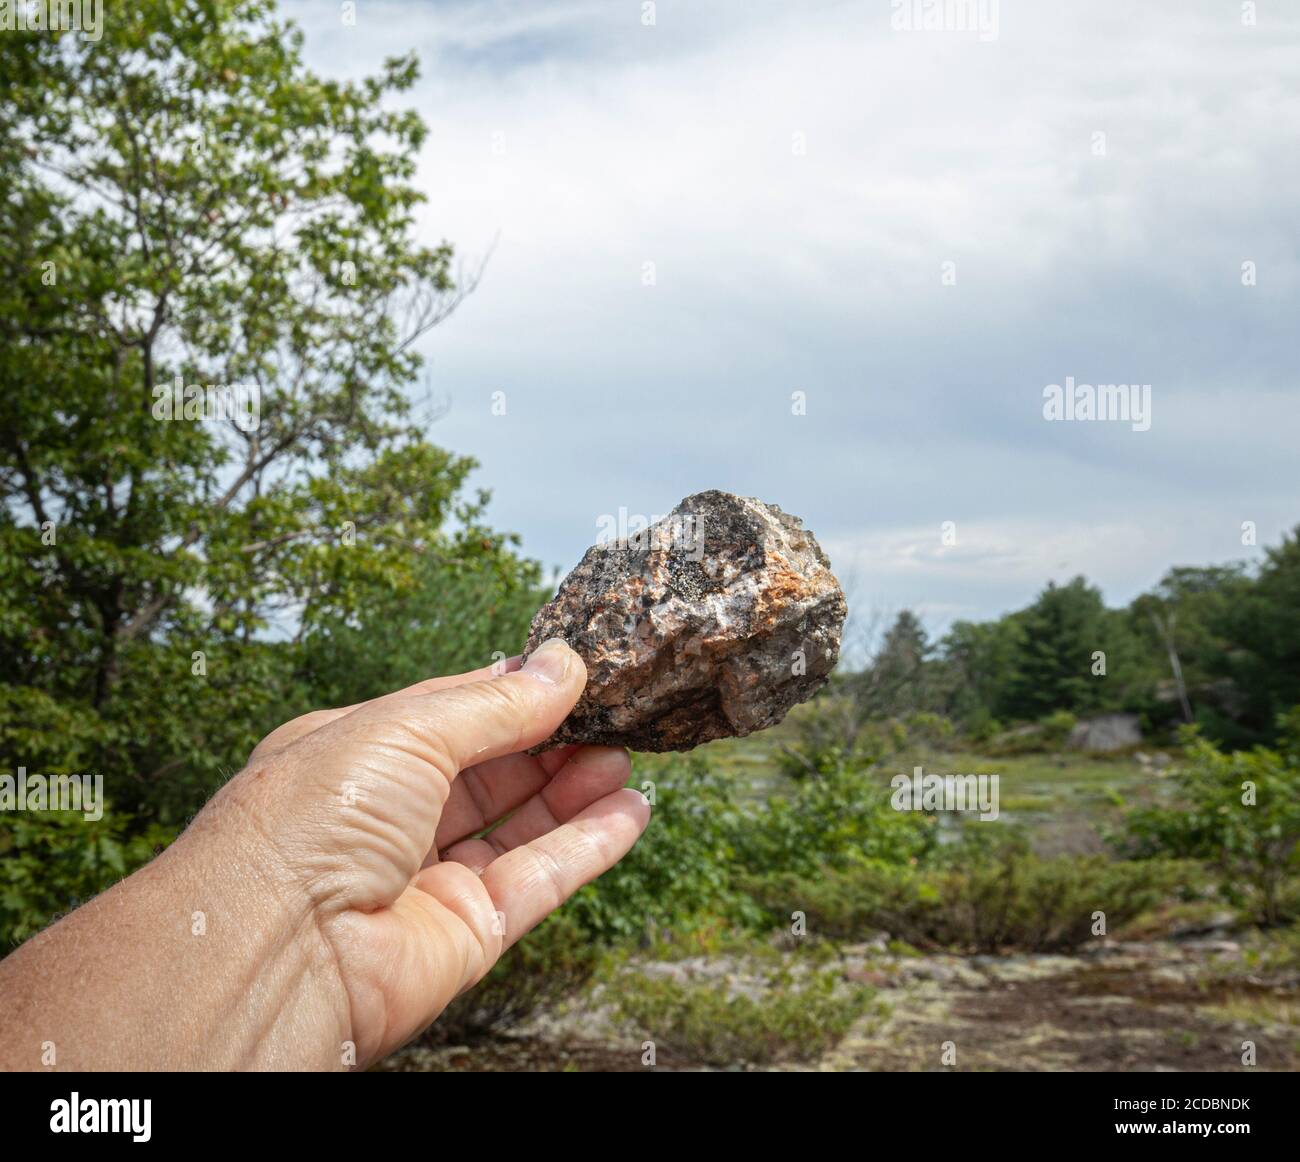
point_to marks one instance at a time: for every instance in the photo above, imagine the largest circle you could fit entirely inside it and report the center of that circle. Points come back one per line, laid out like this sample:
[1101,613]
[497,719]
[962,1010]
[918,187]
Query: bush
[1048,734]
[795,1016]
[1057,726]
[830,732]
[982,727]
[1240,813]
[980,898]
[840,818]
[927,729]
[686,870]
[682,868]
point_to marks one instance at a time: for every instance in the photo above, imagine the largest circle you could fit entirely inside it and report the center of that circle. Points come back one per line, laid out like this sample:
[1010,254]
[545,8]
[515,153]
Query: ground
[1175,992]
[1191,1005]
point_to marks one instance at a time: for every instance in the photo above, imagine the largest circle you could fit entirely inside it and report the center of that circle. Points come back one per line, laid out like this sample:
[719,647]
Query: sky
[814,254]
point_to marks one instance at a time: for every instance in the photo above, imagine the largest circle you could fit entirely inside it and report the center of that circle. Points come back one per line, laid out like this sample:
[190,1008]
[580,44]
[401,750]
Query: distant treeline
[1216,645]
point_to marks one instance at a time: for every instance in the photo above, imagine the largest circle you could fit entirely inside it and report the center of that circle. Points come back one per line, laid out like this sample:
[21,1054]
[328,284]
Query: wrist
[203,959]
[266,987]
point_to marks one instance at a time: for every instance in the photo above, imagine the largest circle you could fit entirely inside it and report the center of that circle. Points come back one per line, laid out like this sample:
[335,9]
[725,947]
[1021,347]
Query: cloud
[797,175]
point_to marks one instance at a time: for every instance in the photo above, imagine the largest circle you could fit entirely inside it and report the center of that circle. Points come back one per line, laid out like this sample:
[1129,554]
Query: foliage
[51,862]
[926,729]
[681,869]
[897,679]
[978,660]
[1048,734]
[1221,641]
[461,614]
[841,818]
[788,1016]
[687,870]
[187,204]
[981,896]
[1061,630]
[1240,812]
[1258,655]
[828,733]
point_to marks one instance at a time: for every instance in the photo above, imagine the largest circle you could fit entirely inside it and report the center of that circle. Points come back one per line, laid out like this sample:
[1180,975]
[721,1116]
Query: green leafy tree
[466,610]
[1182,627]
[1260,659]
[898,678]
[50,864]
[979,660]
[1052,669]
[187,205]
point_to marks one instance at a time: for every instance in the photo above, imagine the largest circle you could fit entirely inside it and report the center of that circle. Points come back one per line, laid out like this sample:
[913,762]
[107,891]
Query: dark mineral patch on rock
[711,623]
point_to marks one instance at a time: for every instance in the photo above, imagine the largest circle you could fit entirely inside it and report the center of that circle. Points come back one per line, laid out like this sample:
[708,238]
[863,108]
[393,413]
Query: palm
[416,900]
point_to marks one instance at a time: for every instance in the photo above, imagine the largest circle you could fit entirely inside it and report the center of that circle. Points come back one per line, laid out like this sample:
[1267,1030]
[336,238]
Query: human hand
[349,850]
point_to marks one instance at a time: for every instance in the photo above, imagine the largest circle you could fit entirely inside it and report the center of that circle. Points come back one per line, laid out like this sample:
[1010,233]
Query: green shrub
[1057,727]
[840,818]
[831,732]
[998,898]
[1048,733]
[1240,813]
[797,1016]
[682,869]
[685,872]
[927,729]
[981,727]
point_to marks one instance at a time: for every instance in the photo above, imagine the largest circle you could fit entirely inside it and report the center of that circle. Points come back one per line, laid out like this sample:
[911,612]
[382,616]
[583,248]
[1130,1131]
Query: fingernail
[550,660]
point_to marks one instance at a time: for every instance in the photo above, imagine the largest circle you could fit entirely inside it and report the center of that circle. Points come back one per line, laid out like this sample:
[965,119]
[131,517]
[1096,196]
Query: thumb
[497,716]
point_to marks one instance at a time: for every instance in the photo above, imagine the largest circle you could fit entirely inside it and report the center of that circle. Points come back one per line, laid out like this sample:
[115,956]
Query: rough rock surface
[711,623]
[1106,732]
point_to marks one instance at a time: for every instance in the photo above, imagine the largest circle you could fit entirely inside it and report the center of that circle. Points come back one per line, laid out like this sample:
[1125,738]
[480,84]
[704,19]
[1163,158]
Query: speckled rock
[711,623]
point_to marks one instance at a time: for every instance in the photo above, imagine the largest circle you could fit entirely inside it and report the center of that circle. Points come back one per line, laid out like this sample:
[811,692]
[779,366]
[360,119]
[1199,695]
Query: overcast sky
[799,174]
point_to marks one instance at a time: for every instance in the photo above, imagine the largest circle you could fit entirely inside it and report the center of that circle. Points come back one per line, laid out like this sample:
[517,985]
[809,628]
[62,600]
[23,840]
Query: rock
[711,623]
[1106,732]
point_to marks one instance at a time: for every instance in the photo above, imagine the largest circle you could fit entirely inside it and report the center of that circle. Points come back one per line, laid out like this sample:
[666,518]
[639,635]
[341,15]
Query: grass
[1051,780]
[1257,1009]
[1066,799]
[1061,780]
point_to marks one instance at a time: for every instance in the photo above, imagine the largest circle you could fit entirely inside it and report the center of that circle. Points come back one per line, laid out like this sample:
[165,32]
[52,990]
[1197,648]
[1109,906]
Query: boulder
[1105,732]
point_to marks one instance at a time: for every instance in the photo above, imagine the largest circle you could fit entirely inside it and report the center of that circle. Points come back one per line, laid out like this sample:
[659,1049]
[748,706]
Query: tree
[979,659]
[1262,623]
[460,615]
[1181,624]
[1060,632]
[895,681]
[186,206]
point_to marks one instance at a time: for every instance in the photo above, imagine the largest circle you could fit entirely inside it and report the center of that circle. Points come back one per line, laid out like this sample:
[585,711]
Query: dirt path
[1128,1007]
[1121,1007]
